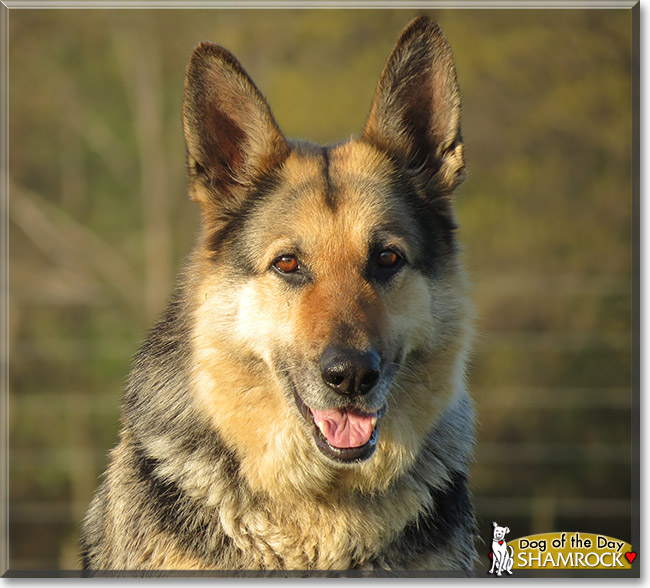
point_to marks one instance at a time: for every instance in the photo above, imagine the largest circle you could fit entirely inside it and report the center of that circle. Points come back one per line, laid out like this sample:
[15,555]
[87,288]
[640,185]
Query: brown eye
[388,258]
[286,264]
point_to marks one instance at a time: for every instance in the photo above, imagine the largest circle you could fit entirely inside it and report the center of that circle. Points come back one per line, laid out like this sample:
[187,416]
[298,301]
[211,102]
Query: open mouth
[343,434]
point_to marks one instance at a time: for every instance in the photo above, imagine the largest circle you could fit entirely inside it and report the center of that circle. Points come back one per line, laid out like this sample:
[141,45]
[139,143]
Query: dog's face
[339,265]
[329,274]
[499,533]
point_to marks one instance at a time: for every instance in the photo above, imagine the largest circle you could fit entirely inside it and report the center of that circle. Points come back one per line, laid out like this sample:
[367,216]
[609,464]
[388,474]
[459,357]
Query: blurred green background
[100,223]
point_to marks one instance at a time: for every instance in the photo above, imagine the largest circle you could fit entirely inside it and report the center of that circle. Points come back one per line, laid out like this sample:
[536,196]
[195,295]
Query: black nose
[349,371]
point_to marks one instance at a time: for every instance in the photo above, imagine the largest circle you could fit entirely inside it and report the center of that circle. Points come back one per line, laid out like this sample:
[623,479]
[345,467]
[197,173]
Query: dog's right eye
[286,264]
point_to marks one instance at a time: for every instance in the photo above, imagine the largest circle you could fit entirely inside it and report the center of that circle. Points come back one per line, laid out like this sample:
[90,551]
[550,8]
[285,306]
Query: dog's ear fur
[232,139]
[415,115]
[495,525]
[506,530]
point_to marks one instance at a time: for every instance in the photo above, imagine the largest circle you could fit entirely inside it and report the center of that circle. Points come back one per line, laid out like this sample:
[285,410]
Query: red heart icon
[630,556]
[490,554]
[500,542]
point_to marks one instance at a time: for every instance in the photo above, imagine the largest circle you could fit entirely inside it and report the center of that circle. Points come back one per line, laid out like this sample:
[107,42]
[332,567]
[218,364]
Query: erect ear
[415,115]
[232,139]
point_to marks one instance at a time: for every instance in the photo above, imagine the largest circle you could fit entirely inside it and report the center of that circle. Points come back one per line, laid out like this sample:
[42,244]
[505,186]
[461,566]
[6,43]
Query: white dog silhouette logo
[502,560]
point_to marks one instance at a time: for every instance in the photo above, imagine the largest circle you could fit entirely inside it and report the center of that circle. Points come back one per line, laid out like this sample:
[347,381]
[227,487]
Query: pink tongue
[344,429]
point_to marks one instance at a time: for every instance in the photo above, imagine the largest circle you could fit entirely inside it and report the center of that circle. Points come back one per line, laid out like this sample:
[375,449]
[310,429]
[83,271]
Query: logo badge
[560,550]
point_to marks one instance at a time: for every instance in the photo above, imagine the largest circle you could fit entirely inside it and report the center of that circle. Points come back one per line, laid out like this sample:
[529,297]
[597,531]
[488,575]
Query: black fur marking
[331,199]
[181,516]
[235,221]
[436,227]
[85,558]
[432,531]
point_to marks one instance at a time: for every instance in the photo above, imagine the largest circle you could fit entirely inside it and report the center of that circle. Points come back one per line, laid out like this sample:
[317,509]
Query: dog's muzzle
[346,432]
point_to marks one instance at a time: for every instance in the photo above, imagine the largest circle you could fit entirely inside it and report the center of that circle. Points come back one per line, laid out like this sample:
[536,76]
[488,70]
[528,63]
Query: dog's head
[499,533]
[329,274]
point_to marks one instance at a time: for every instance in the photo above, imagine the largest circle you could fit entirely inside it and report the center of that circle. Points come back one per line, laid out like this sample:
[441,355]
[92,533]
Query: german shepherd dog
[301,403]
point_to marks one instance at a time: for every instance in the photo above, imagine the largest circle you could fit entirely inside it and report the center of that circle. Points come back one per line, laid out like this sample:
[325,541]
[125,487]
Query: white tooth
[374,421]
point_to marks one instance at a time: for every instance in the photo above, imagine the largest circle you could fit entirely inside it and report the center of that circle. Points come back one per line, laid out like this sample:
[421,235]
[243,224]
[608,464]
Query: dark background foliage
[100,223]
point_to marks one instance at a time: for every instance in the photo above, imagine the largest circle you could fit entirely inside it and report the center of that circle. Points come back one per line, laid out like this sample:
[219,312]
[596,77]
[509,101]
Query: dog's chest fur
[211,519]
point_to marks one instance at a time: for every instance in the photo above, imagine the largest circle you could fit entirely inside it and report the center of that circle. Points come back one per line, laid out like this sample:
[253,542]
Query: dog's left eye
[388,259]
[385,263]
